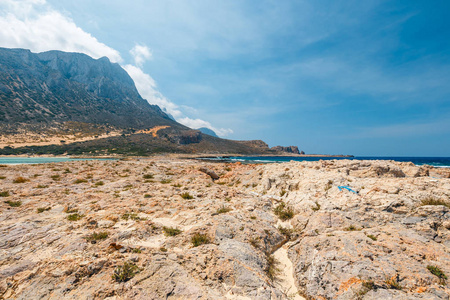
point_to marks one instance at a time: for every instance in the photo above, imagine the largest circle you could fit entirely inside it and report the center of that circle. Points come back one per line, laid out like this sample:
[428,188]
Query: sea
[442,162]
[41,160]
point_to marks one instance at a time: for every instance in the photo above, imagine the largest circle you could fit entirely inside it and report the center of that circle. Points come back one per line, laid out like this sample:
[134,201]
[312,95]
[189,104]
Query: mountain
[207,131]
[56,86]
[57,102]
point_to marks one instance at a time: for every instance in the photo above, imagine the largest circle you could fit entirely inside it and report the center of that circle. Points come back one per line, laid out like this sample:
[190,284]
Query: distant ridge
[208,131]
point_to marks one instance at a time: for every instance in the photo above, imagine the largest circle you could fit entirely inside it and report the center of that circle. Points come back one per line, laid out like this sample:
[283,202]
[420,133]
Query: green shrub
[14,203]
[80,181]
[317,207]
[284,212]
[282,193]
[4,194]
[55,177]
[437,272]
[147,196]
[125,272]
[199,239]
[40,186]
[223,210]
[393,283]
[99,183]
[165,181]
[42,209]
[132,216]
[2,177]
[372,237]
[97,236]
[148,176]
[186,196]
[271,269]
[74,217]
[170,231]
[352,228]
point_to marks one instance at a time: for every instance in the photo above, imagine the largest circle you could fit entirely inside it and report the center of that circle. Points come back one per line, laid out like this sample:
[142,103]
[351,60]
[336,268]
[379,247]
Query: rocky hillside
[55,86]
[162,228]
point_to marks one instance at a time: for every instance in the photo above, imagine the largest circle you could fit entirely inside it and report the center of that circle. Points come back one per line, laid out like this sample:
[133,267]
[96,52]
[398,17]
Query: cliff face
[57,86]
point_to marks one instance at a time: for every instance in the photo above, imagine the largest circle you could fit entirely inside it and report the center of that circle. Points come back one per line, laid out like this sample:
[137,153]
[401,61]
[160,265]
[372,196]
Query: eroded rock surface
[373,244]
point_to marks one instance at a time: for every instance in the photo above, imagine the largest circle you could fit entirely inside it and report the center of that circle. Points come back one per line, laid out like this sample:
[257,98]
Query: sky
[368,78]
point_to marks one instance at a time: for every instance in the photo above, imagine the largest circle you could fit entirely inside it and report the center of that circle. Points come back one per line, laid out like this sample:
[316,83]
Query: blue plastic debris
[347,188]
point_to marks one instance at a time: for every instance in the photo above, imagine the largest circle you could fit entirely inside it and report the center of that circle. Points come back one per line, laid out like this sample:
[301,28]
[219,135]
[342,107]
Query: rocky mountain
[289,149]
[55,86]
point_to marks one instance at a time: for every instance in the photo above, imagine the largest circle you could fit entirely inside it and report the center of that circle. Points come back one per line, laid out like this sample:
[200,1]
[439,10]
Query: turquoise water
[443,162]
[41,160]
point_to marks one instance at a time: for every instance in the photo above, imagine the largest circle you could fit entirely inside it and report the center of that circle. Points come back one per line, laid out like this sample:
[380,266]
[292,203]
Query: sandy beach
[162,228]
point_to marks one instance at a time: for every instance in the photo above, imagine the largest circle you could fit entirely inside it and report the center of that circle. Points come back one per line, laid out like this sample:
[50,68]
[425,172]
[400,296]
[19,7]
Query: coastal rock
[63,234]
[289,149]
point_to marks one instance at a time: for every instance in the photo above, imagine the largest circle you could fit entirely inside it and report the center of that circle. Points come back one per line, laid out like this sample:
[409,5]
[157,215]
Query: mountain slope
[57,86]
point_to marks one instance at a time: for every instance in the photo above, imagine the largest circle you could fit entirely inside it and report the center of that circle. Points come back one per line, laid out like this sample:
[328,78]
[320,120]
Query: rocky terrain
[162,228]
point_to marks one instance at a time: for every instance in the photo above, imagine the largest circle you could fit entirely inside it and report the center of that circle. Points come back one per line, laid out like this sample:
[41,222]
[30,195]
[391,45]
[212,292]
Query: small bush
[186,196]
[40,186]
[282,193]
[199,239]
[170,231]
[2,177]
[42,209]
[14,203]
[393,283]
[434,201]
[125,272]
[437,272]
[287,232]
[223,210]
[55,177]
[132,216]
[284,212]
[97,236]
[136,250]
[147,196]
[99,183]
[162,249]
[80,181]
[372,237]
[165,181]
[271,269]
[254,241]
[21,179]
[4,194]
[317,207]
[352,228]
[148,176]
[74,217]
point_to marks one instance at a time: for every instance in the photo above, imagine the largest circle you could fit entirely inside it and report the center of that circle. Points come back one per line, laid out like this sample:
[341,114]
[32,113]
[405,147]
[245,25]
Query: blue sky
[337,77]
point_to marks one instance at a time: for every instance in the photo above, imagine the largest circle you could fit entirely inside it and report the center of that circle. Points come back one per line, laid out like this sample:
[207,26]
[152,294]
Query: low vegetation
[79,180]
[74,217]
[97,236]
[14,203]
[284,212]
[170,231]
[42,209]
[200,239]
[186,196]
[20,179]
[4,194]
[434,201]
[437,272]
[125,272]
[271,269]
[223,210]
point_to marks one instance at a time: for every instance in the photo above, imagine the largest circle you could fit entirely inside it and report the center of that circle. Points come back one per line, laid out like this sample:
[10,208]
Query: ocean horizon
[440,162]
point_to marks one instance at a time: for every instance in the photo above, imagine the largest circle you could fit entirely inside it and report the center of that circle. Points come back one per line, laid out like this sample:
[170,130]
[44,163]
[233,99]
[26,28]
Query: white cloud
[147,88]
[31,24]
[34,25]
[140,54]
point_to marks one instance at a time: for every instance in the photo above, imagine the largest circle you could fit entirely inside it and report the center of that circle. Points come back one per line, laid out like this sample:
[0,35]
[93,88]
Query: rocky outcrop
[159,228]
[289,149]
